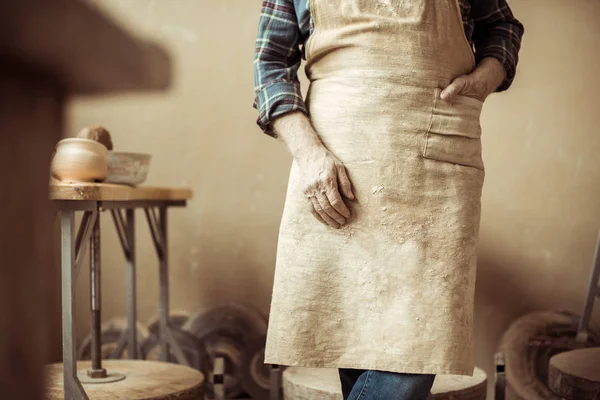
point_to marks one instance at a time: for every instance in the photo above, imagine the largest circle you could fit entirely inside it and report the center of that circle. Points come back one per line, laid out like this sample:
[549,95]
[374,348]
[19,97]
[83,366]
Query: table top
[112,192]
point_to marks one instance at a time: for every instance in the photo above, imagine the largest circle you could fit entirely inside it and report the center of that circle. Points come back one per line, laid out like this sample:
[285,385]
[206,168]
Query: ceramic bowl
[127,168]
[79,160]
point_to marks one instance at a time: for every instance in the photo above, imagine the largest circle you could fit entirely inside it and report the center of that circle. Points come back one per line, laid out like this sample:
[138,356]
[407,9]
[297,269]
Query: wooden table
[121,201]
[50,52]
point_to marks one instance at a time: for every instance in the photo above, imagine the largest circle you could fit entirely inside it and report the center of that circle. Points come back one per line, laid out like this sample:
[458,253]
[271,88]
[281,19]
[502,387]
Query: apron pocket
[454,132]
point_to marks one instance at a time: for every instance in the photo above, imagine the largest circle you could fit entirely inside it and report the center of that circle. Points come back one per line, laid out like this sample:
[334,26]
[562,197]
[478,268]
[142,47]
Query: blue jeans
[377,385]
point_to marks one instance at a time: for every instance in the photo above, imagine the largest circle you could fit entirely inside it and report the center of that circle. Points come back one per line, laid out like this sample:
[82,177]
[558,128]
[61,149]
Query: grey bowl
[127,168]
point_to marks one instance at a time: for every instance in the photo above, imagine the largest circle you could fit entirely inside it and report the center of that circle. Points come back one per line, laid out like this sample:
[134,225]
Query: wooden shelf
[80,48]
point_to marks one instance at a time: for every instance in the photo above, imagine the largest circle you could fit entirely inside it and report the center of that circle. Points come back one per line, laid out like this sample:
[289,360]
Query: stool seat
[575,375]
[324,384]
[149,380]
[457,387]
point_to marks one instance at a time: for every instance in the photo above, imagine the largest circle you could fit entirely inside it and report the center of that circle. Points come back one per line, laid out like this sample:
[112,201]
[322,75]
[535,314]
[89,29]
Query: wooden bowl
[79,160]
[127,168]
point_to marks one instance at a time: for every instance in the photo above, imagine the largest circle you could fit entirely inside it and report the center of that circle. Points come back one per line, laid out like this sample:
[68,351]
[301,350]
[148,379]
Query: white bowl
[79,160]
[127,168]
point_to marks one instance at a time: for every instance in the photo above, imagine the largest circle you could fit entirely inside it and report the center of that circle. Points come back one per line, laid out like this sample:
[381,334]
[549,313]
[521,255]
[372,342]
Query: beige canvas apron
[393,289]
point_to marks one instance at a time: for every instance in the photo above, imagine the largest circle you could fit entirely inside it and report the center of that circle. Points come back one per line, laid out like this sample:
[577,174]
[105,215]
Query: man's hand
[324,175]
[479,84]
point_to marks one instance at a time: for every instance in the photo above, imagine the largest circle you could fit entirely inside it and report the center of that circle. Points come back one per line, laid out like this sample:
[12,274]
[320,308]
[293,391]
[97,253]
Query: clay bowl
[79,160]
[127,168]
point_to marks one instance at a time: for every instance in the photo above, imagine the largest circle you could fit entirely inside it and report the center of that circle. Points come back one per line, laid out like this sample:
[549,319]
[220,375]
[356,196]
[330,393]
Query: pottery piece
[79,160]
[127,168]
[98,134]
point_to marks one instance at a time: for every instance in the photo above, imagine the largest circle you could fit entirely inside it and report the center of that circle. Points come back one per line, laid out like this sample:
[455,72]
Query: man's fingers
[329,210]
[319,210]
[344,182]
[454,88]
[335,199]
[316,215]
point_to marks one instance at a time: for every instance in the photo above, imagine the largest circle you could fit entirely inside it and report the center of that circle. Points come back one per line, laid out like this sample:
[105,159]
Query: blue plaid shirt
[285,25]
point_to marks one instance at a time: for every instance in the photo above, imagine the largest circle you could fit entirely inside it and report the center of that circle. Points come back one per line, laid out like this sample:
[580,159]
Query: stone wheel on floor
[111,332]
[225,331]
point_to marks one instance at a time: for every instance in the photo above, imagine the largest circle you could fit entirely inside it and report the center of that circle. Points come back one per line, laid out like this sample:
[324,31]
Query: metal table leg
[158,229]
[164,286]
[131,287]
[126,232]
[73,388]
[96,303]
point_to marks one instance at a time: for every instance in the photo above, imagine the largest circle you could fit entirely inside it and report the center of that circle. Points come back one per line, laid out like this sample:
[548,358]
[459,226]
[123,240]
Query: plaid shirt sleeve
[497,33]
[276,61]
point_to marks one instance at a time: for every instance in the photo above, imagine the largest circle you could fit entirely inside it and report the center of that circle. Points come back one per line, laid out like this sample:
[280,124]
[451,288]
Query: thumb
[454,88]
[344,182]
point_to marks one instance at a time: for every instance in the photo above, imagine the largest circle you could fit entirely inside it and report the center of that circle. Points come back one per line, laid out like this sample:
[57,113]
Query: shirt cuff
[503,54]
[275,99]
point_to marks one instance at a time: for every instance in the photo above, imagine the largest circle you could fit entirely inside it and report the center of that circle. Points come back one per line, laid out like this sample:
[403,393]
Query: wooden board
[77,45]
[575,375]
[149,380]
[324,384]
[111,192]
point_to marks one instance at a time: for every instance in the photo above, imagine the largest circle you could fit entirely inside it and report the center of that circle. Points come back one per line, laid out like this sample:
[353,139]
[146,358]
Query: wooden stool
[575,375]
[143,380]
[311,383]
[324,384]
[456,387]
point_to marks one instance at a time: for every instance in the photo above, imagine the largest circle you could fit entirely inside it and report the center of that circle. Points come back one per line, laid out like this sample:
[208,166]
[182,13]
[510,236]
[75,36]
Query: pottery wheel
[148,380]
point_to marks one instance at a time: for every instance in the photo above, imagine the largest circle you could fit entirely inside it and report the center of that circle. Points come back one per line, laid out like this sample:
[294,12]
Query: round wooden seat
[575,375]
[143,380]
[456,387]
[311,383]
[324,384]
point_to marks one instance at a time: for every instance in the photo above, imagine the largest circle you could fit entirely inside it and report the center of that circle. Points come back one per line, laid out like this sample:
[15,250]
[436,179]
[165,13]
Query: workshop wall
[541,208]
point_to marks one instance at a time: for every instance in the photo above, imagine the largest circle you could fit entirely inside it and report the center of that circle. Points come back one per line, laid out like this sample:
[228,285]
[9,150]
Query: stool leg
[219,378]
[593,292]
[275,382]
[72,386]
[131,286]
[95,303]
[164,284]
